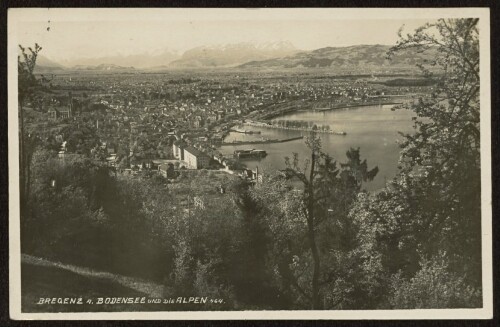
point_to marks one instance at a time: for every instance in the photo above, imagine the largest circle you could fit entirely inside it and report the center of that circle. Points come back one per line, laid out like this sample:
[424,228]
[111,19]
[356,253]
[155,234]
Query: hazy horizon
[108,33]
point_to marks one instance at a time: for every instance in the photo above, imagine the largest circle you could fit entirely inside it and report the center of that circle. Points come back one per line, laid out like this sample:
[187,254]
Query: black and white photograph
[188,163]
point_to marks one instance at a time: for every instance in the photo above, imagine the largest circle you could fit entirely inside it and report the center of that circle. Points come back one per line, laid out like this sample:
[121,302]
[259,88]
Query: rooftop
[180,143]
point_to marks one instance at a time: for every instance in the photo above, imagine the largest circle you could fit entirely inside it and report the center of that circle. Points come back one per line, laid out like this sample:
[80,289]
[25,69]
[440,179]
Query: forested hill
[358,57]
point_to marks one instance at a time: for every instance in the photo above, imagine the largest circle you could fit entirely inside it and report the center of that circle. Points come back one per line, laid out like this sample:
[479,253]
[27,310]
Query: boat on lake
[249,154]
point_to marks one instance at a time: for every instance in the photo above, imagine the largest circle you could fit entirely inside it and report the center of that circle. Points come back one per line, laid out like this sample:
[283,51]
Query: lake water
[374,129]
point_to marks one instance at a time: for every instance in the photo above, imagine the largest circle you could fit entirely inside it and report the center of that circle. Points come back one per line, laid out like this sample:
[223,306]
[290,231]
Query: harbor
[381,148]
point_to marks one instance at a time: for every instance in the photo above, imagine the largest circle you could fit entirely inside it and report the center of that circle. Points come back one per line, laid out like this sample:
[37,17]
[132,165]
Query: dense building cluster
[146,120]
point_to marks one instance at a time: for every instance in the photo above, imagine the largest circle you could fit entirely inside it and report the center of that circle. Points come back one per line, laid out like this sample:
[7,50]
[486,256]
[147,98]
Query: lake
[374,129]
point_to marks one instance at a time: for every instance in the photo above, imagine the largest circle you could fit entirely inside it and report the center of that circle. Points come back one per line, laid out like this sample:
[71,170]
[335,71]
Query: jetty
[300,129]
[262,141]
[245,131]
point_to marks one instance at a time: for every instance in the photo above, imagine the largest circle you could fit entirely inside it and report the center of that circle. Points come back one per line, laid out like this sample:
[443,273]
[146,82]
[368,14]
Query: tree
[170,171]
[424,228]
[314,144]
[442,157]
[82,139]
[354,173]
[26,63]
[434,286]
[319,212]
[27,81]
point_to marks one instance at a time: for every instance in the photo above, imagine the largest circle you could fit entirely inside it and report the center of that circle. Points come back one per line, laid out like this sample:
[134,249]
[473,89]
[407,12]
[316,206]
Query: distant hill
[232,54]
[45,65]
[39,69]
[102,67]
[143,60]
[46,62]
[359,57]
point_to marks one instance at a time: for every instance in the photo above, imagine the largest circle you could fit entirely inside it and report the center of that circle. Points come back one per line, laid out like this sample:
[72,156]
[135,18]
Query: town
[173,121]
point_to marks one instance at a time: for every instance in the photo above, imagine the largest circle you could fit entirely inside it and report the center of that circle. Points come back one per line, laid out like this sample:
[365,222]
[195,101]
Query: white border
[17,16]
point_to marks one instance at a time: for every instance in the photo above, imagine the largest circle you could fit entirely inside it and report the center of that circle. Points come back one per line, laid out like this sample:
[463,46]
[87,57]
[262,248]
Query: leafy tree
[205,242]
[255,258]
[81,140]
[424,229]
[442,157]
[434,286]
[318,212]
[26,63]
[309,202]
[170,171]
[27,82]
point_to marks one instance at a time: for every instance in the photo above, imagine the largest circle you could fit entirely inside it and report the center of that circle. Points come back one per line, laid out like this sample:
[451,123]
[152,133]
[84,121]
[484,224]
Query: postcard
[305,163]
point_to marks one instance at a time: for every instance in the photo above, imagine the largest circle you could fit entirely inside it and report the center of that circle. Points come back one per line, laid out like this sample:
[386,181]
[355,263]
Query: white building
[195,159]
[178,149]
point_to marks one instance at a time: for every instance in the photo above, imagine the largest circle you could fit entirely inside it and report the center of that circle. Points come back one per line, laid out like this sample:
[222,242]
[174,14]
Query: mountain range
[233,54]
[346,58]
[275,55]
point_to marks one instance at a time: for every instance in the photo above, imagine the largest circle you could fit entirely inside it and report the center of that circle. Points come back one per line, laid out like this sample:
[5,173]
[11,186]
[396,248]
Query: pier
[301,129]
[244,132]
[262,141]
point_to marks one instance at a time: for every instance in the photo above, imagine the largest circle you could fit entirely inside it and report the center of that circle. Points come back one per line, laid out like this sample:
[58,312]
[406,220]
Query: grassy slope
[45,279]
[48,282]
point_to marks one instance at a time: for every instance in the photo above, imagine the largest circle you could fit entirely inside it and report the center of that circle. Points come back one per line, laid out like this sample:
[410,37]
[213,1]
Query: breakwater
[244,132]
[262,141]
[300,129]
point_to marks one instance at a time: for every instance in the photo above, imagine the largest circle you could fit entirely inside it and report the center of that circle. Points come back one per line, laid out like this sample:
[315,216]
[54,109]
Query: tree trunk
[315,299]
[316,261]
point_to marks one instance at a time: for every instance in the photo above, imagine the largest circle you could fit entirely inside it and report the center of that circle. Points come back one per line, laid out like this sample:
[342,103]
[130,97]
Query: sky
[67,34]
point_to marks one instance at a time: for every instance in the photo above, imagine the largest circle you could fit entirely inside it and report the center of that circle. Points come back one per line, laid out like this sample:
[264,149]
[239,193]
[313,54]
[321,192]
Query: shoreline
[353,105]
[343,106]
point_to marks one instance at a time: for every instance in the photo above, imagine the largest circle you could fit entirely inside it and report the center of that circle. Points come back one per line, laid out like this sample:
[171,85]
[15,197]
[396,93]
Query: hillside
[38,275]
[359,58]
[45,65]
